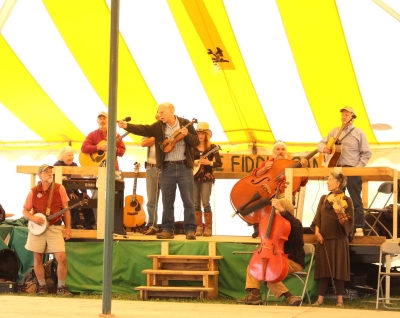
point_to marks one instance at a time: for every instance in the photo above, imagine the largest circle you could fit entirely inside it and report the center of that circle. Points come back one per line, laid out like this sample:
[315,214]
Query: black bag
[50,274]
[9,267]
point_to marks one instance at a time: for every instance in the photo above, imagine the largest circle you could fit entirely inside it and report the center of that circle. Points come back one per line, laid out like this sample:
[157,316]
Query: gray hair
[63,151]
[169,106]
[339,177]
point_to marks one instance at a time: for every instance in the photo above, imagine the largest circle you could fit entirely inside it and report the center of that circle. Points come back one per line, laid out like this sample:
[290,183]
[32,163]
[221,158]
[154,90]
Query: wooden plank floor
[41,307]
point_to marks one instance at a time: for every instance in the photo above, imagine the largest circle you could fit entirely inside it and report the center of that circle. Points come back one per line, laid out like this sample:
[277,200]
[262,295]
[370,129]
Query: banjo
[196,169]
[37,229]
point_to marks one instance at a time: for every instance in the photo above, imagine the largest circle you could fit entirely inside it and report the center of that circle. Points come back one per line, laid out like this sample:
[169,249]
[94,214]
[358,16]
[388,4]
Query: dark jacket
[157,130]
[294,246]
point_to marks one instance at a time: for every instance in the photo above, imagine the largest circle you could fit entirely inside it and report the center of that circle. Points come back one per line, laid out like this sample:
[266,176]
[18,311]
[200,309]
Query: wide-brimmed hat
[204,127]
[105,114]
[349,109]
[43,168]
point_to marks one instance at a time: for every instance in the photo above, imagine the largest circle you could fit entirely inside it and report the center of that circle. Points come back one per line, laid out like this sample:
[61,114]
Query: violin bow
[330,269]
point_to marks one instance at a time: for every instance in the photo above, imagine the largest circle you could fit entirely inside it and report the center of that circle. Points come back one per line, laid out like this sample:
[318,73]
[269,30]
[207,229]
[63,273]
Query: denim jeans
[202,193]
[153,195]
[354,187]
[173,175]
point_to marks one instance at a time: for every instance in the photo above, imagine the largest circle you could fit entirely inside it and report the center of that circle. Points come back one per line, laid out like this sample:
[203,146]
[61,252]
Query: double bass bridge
[265,187]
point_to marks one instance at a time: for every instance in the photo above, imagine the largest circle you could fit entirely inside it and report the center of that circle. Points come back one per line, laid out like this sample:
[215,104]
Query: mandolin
[98,158]
[196,168]
[133,210]
[330,160]
[169,144]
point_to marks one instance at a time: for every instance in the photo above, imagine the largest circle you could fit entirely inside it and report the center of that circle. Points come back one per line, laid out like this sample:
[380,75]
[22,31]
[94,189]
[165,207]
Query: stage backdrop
[85,264]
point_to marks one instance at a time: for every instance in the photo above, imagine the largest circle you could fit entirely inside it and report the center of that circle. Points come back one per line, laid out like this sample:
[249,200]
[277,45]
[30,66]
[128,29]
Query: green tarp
[85,264]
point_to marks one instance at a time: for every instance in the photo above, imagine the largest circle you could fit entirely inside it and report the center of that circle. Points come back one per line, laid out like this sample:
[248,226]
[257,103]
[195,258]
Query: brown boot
[199,222]
[208,224]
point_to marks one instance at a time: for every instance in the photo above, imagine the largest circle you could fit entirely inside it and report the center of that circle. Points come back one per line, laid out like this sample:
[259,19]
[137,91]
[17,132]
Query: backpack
[29,283]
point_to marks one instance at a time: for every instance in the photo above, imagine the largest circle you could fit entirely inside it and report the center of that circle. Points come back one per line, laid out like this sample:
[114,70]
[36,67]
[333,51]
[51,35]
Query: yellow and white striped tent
[293,64]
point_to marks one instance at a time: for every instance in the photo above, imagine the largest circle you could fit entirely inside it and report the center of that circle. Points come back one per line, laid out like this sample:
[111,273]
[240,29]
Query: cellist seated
[294,247]
[279,152]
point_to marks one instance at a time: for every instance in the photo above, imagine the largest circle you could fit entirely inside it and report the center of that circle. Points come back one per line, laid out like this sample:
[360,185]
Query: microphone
[127,119]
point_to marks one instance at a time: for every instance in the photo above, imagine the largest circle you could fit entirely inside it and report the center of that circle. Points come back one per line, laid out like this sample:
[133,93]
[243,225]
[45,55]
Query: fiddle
[169,144]
[339,203]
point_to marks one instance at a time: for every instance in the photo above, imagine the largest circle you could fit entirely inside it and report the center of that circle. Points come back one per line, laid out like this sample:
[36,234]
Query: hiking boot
[293,301]
[190,235]
[150,231]
[43,290]
[251,299]
[63,291]
[165,235]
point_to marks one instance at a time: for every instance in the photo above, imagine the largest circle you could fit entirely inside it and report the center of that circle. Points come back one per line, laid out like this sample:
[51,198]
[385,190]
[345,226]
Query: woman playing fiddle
[332,224]
[295,250]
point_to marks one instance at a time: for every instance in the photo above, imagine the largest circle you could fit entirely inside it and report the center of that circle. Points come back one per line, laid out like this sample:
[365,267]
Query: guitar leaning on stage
[97,159]
[133,209]
[196,169]
[330,160]
[37,229]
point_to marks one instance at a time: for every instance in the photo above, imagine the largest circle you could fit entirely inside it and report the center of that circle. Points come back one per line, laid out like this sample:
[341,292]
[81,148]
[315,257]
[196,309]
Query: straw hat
[204,127]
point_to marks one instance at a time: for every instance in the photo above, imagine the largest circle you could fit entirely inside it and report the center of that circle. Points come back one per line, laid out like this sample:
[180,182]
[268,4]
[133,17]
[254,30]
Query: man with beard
[97,141]
[279,152]
[48,198]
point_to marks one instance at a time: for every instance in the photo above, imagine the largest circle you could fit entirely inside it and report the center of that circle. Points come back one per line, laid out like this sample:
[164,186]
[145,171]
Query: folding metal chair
[387,251]
[309,249]
[386,188]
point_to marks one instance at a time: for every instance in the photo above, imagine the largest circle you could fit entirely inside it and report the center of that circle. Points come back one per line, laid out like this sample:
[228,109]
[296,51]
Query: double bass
[252,190]
[270,263]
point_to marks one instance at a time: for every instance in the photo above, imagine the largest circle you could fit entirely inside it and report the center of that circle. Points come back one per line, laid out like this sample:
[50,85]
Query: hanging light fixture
[218,58]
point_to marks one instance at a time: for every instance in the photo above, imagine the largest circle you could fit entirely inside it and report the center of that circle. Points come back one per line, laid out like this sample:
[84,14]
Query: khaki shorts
[51,241]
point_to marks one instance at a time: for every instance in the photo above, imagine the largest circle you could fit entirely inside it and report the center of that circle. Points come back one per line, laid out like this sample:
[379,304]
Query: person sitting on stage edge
[332,224]
[204,178]
[176,166]
[66,158]
[354,152]
[294,247]
[48,197]
[279,152]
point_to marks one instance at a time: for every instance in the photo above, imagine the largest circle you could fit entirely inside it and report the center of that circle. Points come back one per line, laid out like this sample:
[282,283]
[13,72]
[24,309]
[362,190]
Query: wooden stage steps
[168,268]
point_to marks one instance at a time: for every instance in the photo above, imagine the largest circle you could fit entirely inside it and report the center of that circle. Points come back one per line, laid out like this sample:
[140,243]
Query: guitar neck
[120,137]
[134,188]
[52,216]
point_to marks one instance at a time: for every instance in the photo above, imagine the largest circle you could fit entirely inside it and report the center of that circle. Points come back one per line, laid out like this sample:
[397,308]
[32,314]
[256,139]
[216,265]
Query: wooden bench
[167,268]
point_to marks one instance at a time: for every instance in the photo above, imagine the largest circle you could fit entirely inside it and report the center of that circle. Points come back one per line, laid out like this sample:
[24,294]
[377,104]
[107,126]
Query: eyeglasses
[279,142]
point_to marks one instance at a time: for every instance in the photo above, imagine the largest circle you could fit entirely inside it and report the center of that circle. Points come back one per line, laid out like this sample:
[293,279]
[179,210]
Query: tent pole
[111,148]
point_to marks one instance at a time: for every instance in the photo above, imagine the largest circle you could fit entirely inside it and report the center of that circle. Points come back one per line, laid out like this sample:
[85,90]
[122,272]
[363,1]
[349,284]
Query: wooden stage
[40,307]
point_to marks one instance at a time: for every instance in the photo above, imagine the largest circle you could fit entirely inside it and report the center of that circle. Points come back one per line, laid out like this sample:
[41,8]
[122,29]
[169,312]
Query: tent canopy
[292,66]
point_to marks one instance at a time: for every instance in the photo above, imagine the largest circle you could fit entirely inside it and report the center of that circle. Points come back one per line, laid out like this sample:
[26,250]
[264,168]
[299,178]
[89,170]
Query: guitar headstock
[194,121]
[137,167]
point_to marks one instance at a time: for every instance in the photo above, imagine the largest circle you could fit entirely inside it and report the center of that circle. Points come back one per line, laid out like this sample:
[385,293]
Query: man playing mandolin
[175,140]
[48,198]
[354,152]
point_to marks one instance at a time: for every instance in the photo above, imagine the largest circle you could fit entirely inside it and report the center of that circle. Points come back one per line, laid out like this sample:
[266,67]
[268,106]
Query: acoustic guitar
[330,160]
[133,210]
[196,169]
[98,158]
[37,229]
